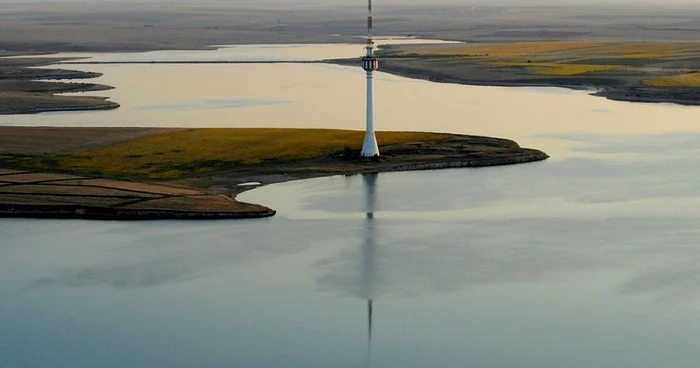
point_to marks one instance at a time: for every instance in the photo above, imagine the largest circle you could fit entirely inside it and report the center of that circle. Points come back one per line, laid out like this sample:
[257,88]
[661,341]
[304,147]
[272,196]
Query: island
[146,173]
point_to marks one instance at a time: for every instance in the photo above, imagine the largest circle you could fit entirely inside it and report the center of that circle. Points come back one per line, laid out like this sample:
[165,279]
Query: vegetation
[683,80]
[563,58]
[507,50]
[564,50]
[196,151]
[559,68]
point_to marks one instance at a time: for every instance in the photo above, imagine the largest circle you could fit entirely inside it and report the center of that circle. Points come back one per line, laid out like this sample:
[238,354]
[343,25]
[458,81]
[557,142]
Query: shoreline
[84,212]
[631,94]
[26,89]
[79,212]
[48,100]
[33,182]
[39,110]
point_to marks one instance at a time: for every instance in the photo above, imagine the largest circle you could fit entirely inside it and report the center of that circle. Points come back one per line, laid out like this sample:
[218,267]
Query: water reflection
[369,254]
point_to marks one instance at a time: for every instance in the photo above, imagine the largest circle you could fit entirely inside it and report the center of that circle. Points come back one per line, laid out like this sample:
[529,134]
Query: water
[589,259]
[272,52]
[330,96]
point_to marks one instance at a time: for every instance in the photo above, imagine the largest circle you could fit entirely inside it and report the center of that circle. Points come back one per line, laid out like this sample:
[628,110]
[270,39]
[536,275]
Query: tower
[370,63]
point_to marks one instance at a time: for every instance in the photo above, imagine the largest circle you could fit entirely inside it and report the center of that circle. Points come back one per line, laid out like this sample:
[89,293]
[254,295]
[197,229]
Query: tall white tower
[370,63]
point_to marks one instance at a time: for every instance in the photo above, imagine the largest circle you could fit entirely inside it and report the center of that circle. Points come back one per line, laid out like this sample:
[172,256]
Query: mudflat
[45,140]
[48,195]
[21,93]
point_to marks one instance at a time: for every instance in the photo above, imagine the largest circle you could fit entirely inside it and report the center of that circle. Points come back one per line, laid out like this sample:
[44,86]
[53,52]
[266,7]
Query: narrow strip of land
[24,89]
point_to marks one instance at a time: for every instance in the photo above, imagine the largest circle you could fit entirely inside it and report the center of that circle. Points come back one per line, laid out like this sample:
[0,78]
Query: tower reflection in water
[369,256]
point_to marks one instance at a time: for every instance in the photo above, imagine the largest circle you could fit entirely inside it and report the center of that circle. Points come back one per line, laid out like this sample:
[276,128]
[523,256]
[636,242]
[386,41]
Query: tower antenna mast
[369,24]
[370,63]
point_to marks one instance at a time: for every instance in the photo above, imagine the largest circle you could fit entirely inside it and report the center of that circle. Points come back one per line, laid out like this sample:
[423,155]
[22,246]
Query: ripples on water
[589,259]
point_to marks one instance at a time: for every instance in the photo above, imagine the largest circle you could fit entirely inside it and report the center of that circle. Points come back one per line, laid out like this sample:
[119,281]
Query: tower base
[369,147]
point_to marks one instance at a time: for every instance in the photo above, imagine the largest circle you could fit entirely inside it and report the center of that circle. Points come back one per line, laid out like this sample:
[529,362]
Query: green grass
[197,151]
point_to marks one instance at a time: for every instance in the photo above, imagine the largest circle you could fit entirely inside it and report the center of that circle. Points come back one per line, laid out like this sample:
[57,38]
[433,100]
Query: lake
[589,259]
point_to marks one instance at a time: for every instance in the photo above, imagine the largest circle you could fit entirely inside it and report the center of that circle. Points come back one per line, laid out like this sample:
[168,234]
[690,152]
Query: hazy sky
[377,2]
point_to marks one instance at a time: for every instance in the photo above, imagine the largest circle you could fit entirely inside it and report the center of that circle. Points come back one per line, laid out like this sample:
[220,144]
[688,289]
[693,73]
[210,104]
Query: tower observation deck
[370,63]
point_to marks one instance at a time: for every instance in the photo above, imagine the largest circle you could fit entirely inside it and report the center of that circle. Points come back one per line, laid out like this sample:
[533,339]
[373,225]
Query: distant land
[645,53]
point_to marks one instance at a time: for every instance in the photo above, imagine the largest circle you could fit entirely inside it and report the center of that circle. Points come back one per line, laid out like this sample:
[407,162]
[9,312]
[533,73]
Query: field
[556,58]
[175,154]
[46,141]
[31,194]
[625,71]
[676,81]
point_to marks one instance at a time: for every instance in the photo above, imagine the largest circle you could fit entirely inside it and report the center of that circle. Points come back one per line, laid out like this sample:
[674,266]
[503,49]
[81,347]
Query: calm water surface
[590,259]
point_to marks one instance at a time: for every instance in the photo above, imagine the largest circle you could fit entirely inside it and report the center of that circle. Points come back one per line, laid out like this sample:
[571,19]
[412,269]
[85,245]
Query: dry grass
[563,58]
[46,140]
[559,69]
[196,151]
[508,50]
[683,80]
[651,50]
[518,50]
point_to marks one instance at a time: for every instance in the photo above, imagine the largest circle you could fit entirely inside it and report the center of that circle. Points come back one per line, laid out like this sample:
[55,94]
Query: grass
[197,151]
[568,58]
[559,68]
[563,49]
[507,50]
[683,80]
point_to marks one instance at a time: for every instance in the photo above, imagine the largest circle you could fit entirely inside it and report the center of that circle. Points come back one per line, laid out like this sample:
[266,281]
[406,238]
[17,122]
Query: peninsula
[623,71]
[139,173]
[26,89]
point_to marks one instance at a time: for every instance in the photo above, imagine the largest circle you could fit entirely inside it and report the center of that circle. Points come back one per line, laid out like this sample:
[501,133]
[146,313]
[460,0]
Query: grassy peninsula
[129,173]
[625,71]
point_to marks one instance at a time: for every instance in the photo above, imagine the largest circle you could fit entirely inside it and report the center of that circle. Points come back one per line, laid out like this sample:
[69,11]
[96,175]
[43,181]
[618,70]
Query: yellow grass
[559,69]
[651,50]
[508,50]
[563,49]
[683,80]
[196,151]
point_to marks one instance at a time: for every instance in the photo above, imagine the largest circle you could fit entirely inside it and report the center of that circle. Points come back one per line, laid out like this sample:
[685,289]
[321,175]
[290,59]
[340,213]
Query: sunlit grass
[558,69]
[561,49]
[644,50]
[570,58]
[683,80]
[196,151]
[508,50]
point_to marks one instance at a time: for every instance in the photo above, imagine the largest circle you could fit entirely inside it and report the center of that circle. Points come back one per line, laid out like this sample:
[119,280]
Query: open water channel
[589,259]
